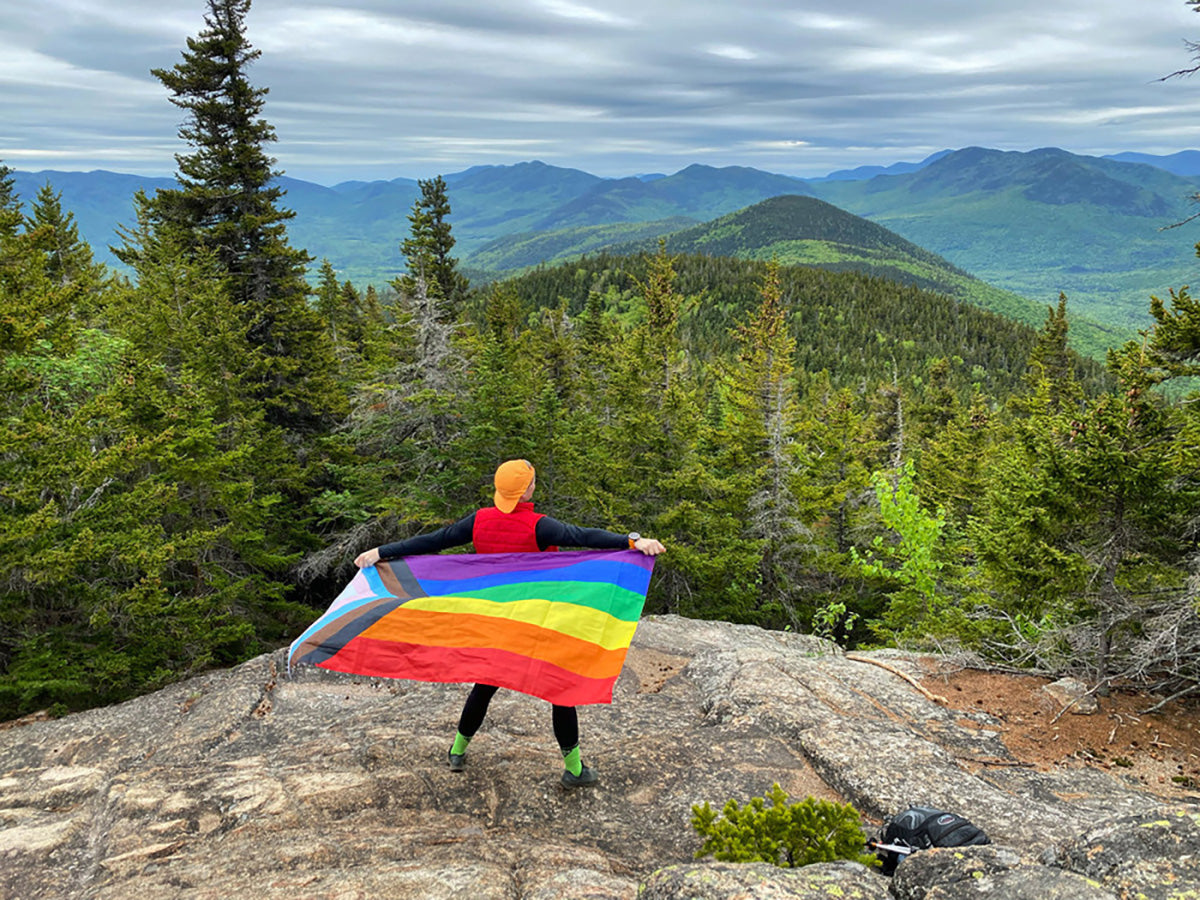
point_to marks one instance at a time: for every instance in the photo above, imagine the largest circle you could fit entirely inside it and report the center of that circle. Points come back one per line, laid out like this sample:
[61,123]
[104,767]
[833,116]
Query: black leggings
[566,722]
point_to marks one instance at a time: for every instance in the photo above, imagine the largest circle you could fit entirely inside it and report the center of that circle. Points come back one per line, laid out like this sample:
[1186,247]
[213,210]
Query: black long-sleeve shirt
[549,533]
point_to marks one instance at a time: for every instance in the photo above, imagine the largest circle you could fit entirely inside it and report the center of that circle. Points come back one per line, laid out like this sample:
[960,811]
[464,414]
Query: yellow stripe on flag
[580,622]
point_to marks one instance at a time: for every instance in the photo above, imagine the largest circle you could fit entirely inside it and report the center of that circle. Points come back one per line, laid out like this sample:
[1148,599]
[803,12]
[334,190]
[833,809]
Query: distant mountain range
[1031,223]
[1045,221]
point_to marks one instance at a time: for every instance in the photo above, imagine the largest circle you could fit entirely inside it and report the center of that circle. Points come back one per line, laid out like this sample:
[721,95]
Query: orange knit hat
[512,480]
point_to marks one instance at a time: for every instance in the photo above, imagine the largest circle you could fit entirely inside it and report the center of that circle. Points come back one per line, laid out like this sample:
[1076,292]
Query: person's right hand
[649,546]
[368,558]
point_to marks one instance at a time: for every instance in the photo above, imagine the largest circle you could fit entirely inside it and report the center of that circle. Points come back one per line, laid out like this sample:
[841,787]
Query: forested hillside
[192,456]
[798,230]
[853,326]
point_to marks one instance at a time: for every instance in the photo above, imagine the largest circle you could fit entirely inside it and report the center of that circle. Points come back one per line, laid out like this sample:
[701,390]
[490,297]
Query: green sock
[572,761]
[459,747]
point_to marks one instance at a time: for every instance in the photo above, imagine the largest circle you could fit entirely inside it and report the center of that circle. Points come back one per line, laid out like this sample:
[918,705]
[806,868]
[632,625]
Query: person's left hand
[368,558]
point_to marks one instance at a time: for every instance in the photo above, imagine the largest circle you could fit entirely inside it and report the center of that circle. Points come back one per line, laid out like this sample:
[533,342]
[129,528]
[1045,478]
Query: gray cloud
[379,89]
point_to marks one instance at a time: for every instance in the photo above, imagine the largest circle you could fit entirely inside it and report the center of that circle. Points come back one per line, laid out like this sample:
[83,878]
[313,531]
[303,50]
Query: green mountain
[492,201]
[532,248]
[796,231]
[1043,222]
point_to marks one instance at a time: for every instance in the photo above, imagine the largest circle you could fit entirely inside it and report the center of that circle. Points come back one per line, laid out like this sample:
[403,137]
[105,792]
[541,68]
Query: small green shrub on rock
[787,835]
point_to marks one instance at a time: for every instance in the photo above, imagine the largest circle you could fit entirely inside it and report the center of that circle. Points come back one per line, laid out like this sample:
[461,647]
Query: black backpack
[920,827]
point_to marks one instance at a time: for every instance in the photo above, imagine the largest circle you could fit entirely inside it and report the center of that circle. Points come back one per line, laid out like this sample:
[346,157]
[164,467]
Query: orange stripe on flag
[440,629]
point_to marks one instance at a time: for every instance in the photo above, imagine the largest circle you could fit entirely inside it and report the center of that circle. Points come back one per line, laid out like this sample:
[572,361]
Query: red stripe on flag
[393,659]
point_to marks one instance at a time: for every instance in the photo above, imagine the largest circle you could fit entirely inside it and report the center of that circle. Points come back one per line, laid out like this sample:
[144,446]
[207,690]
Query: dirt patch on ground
[653,668]
[1160,749]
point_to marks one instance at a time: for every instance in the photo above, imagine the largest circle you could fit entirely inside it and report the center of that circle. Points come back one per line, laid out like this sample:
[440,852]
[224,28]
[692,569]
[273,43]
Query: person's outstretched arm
[553,533]
[453,535]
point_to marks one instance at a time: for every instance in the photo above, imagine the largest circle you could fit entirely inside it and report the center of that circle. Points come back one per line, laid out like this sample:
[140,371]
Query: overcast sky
[386,88]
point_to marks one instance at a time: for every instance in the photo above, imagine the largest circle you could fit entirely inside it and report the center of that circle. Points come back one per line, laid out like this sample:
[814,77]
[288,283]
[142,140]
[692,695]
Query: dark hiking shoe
[585,776]
[458,761]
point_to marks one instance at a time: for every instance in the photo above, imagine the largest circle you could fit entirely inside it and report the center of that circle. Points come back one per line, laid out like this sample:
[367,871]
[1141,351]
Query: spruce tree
[427,249]
[227,201]
[66,259]
[1085,520]
[498,396]
[329,305]
[761,443]
[1175,339]
[227,205]
[1051,359]
[837,456]
[34,309]
[10,205]
[663,305]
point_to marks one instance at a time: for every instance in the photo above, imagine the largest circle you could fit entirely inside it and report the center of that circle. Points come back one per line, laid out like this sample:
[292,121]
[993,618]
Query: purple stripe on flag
[471,565]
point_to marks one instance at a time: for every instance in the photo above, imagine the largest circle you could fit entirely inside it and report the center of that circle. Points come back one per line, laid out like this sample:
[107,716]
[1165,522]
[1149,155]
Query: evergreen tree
[327,297]
[1083,521]
[935,403]
[1050,356]
[427,249]
[1051,361]
[762,430]
[10,206]
[1169,641]
[227,205]
[227,202]
[136,533]
[499,394]
[376,343]
[629,412]
[350,312]
[143,537]
[405,423]
[654,407]
[663,305]
[340,307]
[55,233]
[954,461]
[35,308]
[837,454]
[1175,340]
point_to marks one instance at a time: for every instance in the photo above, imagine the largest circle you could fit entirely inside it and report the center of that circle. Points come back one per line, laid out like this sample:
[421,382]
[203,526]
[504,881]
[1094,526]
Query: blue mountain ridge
[1185,162]
[862,173]
[1033,222]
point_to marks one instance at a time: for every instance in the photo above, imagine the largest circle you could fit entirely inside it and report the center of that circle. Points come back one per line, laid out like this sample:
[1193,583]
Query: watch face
[634,536]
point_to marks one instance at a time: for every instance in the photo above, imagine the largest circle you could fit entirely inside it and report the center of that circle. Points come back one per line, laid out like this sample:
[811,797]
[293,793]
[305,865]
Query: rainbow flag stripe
[554,625]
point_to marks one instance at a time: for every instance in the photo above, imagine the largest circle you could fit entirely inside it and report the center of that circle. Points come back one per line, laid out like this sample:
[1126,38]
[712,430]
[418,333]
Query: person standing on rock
[512,526]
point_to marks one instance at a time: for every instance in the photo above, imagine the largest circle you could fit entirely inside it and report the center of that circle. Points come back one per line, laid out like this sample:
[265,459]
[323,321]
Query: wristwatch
[634,537]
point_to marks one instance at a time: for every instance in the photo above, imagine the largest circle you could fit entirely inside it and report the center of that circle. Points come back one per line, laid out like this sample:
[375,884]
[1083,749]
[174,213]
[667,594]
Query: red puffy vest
[501,532]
